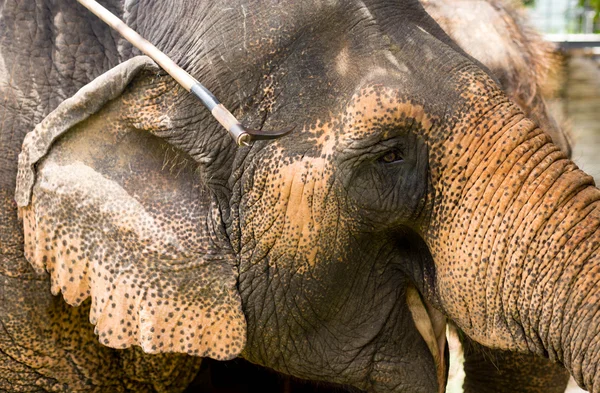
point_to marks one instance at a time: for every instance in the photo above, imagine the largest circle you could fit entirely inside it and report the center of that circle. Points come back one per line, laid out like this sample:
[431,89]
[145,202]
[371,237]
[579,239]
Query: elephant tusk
[241,135]
[431,324]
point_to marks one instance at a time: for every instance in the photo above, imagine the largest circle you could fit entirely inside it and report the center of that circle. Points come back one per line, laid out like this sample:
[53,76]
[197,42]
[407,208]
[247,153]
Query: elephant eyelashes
[392,156]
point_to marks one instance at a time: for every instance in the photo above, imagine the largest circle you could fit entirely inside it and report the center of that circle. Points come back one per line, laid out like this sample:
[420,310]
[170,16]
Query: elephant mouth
[239,375]
[431,324]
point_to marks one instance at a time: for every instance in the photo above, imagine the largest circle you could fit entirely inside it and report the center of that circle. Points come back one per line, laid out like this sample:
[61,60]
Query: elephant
[499,35]
[411,191]
[522,61]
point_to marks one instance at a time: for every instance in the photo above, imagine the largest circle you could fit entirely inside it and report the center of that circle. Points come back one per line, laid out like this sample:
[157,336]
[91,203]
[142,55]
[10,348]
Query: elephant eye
[391,156]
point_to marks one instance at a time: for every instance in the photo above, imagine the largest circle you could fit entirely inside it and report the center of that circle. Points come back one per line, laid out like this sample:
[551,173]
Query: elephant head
[411,190]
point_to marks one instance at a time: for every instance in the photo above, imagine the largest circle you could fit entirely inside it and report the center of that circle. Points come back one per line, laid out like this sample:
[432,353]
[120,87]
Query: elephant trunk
[515,234]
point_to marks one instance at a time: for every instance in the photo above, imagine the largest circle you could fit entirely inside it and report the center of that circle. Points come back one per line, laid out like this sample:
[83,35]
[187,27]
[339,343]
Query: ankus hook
[241,135]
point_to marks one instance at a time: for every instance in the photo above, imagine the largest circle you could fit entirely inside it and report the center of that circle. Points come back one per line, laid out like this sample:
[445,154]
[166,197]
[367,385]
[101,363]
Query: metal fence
[564,16]
[571,23]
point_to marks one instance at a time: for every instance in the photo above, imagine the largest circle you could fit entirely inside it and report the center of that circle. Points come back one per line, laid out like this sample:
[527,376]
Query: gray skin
[301,254]
[499,35]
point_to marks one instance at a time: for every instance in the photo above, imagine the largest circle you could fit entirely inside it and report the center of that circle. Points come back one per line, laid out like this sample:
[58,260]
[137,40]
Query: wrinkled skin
[521,61]
[303,254]
[498,34]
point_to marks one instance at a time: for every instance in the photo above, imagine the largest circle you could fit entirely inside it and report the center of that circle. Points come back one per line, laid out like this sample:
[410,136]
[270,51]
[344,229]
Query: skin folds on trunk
[514,233]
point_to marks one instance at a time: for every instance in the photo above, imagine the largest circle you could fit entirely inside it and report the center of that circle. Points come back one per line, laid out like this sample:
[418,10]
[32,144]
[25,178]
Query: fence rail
[574,41]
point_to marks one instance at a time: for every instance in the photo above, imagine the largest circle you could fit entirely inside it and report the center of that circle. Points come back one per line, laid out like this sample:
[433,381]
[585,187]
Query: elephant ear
[115,213]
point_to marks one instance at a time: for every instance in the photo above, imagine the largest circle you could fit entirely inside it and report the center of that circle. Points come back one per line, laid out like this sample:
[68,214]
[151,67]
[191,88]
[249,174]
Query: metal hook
[241,135]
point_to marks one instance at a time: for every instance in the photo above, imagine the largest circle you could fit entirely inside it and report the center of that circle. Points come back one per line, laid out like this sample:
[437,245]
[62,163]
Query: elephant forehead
[377,109]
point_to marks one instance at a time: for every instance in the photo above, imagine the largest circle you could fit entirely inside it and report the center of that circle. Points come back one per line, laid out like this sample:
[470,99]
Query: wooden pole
[182,77]
[223,116]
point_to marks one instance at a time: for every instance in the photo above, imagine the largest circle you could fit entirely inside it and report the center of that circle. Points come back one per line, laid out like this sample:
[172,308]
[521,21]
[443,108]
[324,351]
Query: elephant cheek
[431,324]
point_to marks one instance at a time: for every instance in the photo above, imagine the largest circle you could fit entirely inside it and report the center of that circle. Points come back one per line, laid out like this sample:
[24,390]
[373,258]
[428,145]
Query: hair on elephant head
[412,190]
